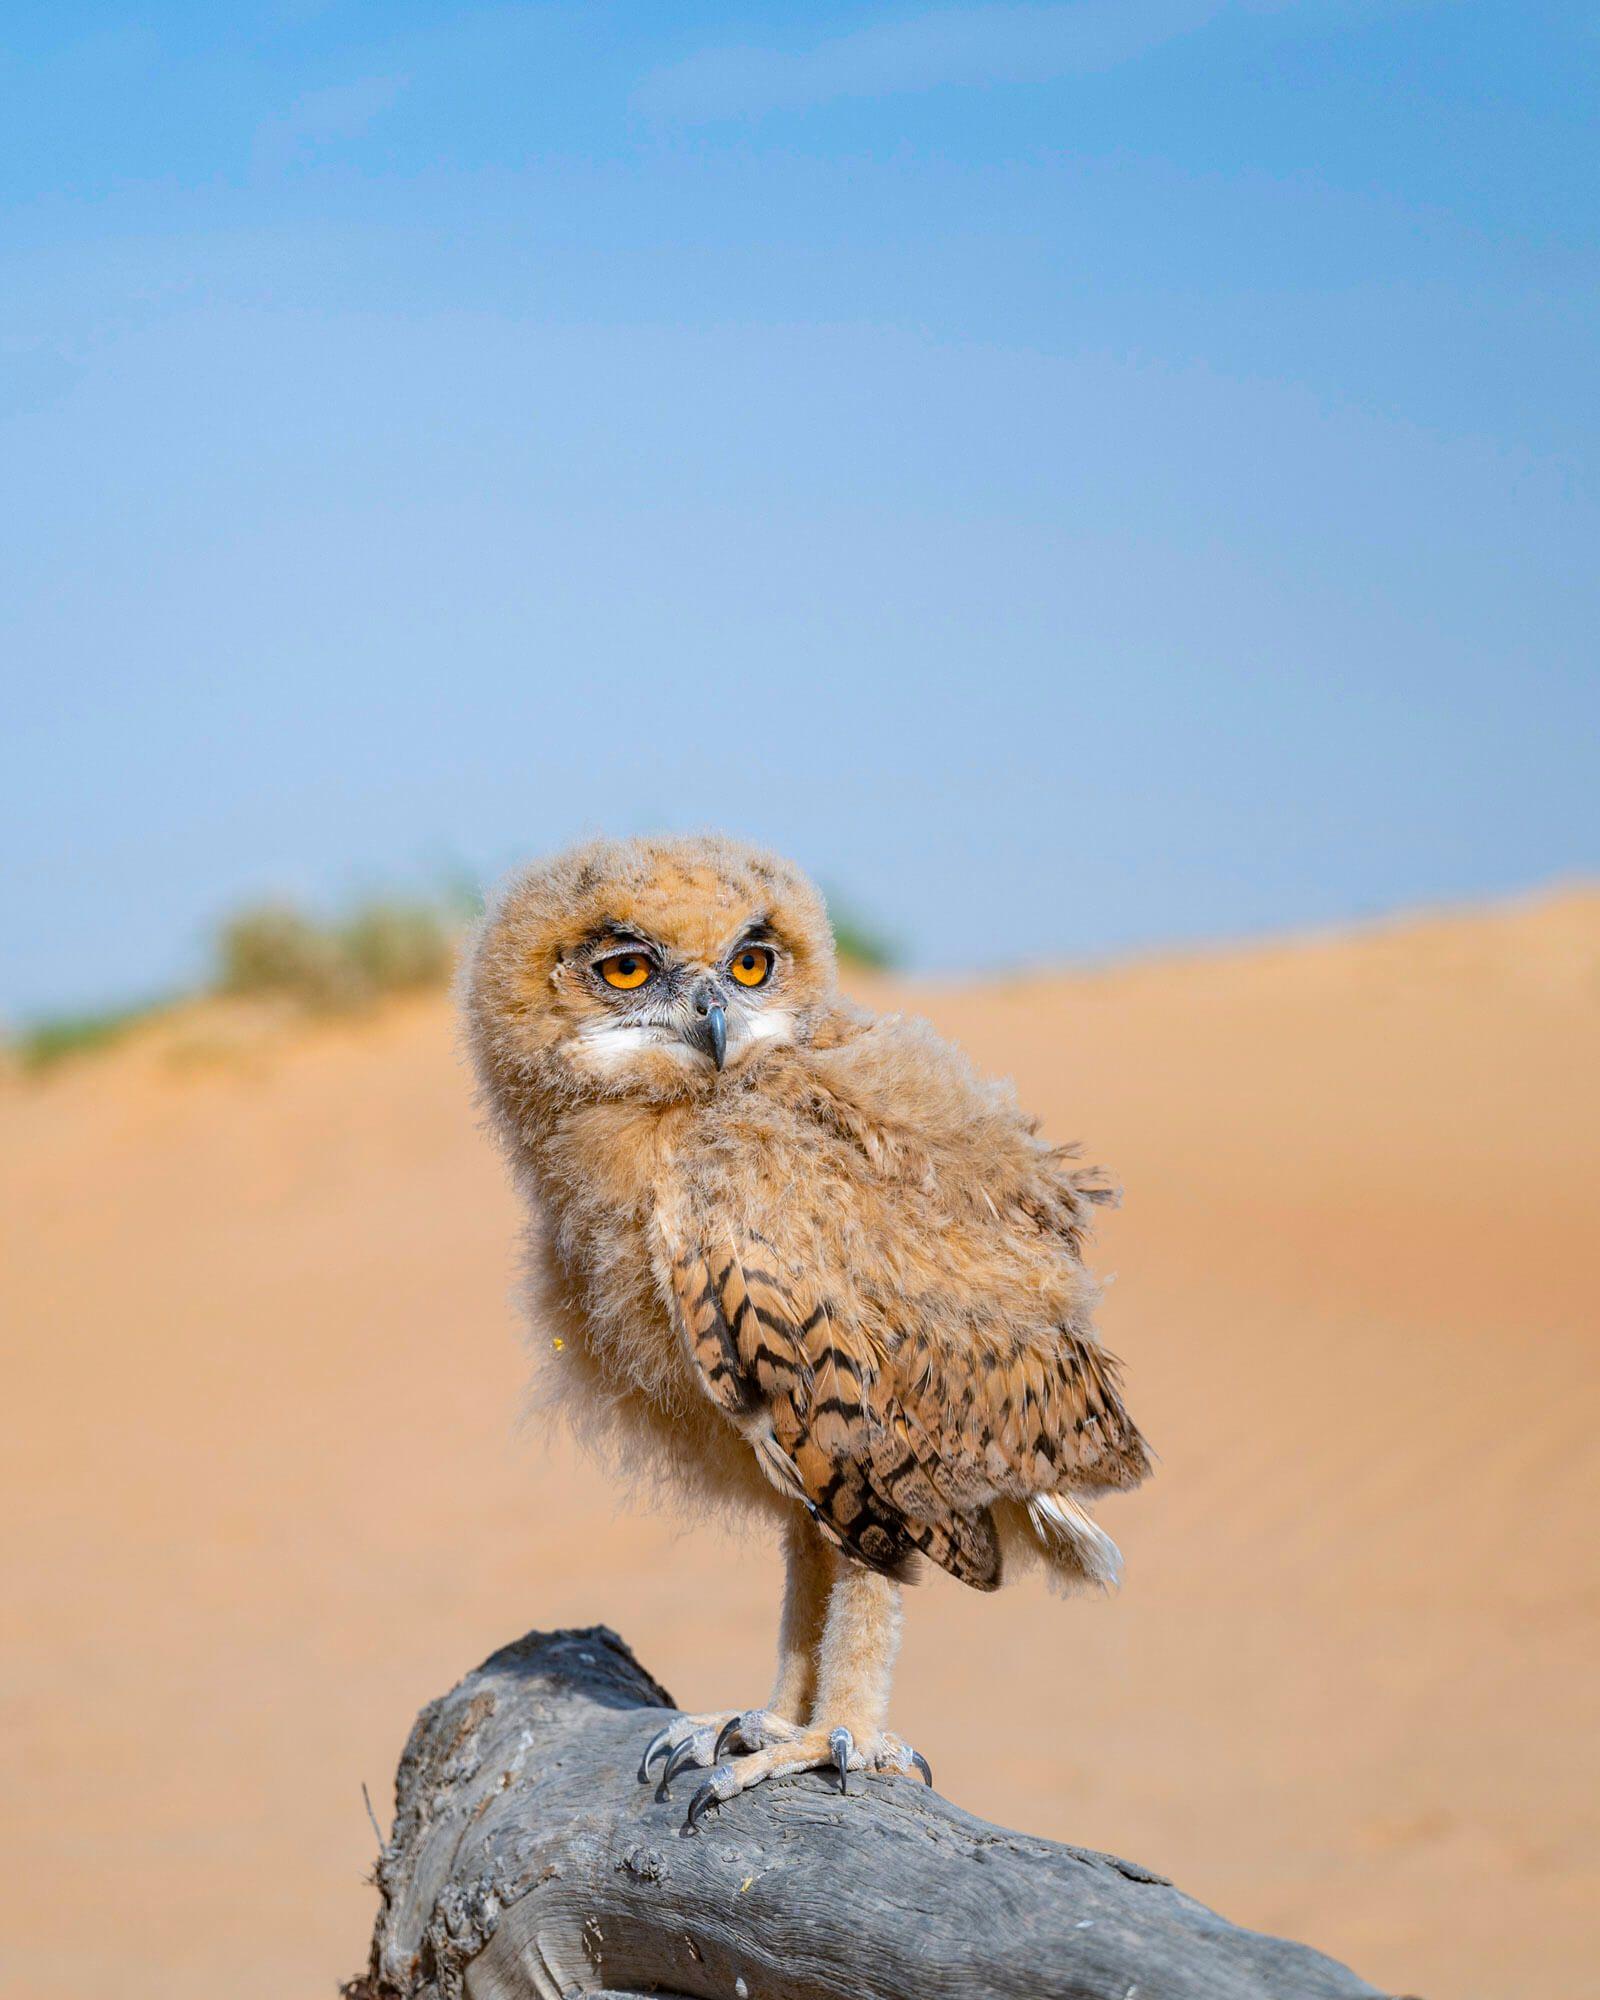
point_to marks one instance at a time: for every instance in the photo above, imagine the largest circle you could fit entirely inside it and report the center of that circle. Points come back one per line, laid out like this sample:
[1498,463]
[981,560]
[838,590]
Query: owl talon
[816,1749]
[685,1755]
[660,1745]
[688,1740]
[841,1743]
[705,1796]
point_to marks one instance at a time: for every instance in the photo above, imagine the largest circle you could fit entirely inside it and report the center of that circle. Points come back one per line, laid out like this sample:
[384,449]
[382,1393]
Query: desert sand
[266,1493]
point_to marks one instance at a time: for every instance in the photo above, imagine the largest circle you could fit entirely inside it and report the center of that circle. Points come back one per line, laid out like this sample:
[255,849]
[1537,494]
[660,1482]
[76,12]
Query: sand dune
[264,1494]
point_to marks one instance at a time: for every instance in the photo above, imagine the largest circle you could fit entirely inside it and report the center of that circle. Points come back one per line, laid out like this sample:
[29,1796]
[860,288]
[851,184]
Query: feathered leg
[701,1739]
[855,1664]
[808,1578]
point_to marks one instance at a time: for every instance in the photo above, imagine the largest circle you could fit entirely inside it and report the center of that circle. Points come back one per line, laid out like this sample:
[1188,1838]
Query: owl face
[648,969]
[657,997]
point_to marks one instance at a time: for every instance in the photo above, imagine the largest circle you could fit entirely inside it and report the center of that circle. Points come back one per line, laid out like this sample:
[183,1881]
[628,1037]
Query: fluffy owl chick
[795,1259]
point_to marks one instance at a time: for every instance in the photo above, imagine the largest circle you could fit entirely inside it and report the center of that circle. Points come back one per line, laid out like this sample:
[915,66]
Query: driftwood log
[527,1863]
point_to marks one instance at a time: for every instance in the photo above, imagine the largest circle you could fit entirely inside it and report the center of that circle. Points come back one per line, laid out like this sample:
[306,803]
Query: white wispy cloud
[949,45]
[340,111]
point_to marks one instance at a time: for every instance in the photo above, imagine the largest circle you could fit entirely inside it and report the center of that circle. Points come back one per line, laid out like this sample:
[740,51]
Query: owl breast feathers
[856,1253]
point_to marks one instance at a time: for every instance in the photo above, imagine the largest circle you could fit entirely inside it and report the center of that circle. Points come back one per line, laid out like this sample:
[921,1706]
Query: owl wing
[898,1439]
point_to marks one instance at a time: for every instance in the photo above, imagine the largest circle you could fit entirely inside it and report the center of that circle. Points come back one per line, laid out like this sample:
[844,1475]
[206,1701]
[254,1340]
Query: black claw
[841,1743]
[683,1755]
[655,1748]
[705,1796]
[924,1767]
[730,1729]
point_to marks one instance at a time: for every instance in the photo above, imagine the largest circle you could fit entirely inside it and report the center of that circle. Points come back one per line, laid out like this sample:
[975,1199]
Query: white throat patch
[611,1045]
[773,1024]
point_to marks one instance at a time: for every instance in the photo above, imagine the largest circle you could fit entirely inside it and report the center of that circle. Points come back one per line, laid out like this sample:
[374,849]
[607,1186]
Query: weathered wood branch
[528,1863]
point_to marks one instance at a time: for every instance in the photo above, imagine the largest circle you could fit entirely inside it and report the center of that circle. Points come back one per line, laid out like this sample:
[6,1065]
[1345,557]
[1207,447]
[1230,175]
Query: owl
[792,1260]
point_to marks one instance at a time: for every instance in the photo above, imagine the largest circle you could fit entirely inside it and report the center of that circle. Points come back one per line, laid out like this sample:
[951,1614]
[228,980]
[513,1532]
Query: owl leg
[854,1667]
[809,1566]
[701,1739]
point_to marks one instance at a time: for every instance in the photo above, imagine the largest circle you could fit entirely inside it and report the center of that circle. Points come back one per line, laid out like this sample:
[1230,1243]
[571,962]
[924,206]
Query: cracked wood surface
[528,1863]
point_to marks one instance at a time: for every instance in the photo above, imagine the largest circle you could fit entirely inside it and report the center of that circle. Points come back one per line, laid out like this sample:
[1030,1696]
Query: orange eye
[627,970]
[752,966]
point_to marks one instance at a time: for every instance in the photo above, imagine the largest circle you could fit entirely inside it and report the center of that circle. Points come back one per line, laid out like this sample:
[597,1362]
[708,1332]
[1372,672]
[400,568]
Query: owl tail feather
[1074,1539]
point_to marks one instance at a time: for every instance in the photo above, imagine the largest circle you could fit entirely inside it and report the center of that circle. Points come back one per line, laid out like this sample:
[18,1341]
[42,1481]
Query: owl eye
[625,970]
[753,965]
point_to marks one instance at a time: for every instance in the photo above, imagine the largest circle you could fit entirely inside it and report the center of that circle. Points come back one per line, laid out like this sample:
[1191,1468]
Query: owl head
[646,969]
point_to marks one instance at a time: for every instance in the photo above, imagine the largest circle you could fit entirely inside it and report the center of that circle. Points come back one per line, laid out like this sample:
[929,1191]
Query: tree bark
[528,1863]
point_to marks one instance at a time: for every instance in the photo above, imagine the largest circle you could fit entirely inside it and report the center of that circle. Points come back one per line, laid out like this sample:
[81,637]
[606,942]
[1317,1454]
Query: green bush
[396,946]
[276,950]
[58,1036]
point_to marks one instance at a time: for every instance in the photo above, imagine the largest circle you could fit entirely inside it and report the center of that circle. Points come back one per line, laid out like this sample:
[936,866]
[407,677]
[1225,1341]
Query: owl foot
[815,1749]
[701,1740]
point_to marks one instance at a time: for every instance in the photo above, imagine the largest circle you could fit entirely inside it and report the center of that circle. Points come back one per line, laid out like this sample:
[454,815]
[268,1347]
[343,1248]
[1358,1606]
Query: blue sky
[1078,476]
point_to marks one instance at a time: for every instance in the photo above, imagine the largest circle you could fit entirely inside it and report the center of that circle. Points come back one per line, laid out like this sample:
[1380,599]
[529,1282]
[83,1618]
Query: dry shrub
[275,950]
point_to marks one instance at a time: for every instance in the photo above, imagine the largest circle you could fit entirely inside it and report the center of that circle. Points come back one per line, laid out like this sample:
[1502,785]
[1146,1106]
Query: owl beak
[709,1029]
